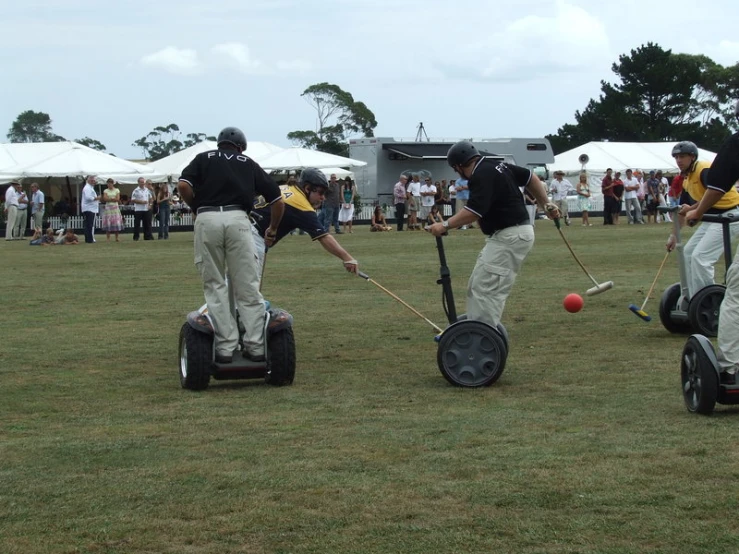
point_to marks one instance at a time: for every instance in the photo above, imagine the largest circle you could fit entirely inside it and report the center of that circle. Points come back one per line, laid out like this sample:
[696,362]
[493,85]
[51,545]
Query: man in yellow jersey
[301,201]
[706,245]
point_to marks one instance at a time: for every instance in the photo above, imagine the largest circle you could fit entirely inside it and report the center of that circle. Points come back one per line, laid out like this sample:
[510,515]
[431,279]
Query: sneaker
[223,358]
[728,378]
[253,357]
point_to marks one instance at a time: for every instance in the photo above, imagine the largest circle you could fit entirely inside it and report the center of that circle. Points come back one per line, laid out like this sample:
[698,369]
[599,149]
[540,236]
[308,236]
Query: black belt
[231,208]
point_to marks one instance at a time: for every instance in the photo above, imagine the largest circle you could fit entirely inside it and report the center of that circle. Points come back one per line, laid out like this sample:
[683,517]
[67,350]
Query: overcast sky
[114,70]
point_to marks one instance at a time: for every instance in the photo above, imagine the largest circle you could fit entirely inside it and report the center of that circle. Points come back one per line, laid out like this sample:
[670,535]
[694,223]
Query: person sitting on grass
[378,222]
[434,216]
[70,237]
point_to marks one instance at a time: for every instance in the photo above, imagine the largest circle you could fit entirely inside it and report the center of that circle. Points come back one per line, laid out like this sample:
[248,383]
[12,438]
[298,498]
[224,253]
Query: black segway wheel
[196,358]
[699,375]
[501,329]
[281,359]
[667,304]
[471,354]
[704,309]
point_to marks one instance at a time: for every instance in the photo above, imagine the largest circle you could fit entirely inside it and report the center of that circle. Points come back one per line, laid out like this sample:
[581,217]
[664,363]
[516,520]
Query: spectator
[463,194]
[70,237]
[11,210]
[618,194]
[631,200]
[652,196]
[414,202]
[676,190]
[434,216]
[378,222]
[346,214]
[428,196]
[142,199]
[330,211]
[662,197]
[583,199]
[400,196]
[37,206]
[90,208]
[560,188]
[609,199]
[112,221]
[452,195]
[164,201]
[21,218]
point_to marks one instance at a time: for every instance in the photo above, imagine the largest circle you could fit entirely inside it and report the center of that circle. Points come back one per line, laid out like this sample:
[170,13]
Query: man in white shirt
[631,199]
[90,205]
[21,217]
[142,199]
[453,195]
[37,207]
[428,191]
[559,187]
[414,202]
[11,210]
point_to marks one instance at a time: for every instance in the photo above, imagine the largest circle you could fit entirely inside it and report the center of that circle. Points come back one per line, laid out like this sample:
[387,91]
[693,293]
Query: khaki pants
[728,323]
[38,220]
[10,222]
[224,244]
[563,209]
[21,223]
[495,272]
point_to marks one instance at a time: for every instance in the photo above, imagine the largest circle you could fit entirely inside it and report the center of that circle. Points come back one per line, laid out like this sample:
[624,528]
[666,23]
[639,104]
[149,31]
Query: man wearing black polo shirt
[497,203]
[722,176]
[220,187]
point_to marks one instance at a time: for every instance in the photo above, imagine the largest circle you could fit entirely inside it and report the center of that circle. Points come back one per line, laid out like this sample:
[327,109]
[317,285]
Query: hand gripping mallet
[599,287]
[640,311]
[411,308]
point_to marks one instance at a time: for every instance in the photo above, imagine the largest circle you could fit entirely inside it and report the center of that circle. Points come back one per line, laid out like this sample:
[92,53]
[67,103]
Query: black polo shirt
[724,171]
[224,177]
[495,195]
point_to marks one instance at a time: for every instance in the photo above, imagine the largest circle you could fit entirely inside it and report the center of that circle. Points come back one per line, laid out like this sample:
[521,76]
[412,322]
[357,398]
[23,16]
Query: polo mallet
[264,265]
[640,311]
[599,287]
[411,308]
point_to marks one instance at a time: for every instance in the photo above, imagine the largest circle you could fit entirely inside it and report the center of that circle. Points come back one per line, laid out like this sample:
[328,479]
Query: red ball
[573,303]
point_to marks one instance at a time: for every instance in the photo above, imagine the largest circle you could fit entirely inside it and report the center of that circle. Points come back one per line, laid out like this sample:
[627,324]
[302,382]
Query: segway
[680,313]
[701,378]
[470,353]
[197,354]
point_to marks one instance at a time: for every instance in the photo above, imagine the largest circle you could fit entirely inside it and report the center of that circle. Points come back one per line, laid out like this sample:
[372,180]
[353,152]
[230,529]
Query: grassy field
[583,445]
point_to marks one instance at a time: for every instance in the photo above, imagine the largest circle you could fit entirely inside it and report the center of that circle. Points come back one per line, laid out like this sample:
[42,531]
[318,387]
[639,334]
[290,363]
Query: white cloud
[239,54]
[181,61]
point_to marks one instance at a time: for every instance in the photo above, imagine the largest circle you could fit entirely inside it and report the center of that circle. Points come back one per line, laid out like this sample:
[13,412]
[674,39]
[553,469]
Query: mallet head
[597,289]
[640,313]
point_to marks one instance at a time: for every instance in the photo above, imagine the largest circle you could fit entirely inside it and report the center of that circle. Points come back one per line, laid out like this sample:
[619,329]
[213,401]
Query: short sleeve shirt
[495,195]
[299,214]
[724,171]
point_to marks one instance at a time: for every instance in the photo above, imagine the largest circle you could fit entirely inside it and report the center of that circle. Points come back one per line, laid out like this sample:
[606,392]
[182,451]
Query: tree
[91,143]
[659,96]
[32,126]
[164,141]
[339,116]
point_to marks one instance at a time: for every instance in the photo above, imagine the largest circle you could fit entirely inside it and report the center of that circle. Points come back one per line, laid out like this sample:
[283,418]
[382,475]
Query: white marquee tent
[173,165]
[299,158]
[619,156]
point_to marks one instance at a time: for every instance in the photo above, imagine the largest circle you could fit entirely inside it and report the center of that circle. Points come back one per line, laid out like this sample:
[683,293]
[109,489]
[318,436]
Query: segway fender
[200,322]
[279,320]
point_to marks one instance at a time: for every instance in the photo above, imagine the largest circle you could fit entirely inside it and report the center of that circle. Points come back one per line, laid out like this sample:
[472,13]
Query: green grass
[584,444]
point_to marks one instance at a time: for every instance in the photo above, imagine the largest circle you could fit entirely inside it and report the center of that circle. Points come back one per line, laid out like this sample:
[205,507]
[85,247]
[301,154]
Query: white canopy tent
[43,160]
[173,165]
[299,158]
[619,156]
[339,172]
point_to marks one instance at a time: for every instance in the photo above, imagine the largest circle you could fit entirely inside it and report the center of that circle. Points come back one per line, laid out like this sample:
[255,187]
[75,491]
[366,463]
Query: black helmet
[685,147]
[313,177]
[233,135]
[461,153]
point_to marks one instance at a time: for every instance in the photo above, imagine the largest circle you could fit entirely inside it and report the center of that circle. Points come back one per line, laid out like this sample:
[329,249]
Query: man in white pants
[11,210]
[723,174]
[37,207]
[559,187]
[220,186]
[706,245]
[631,199]
[21,217]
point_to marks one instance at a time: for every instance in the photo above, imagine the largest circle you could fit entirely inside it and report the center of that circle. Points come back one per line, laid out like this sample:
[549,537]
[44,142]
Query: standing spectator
[346,214]
[37,207]
[428,196]
[609,199]
[164,201]
[90,208]
[662,197]
[11,210]
[400,195]
[414,202]
[112,221]
[463,194]
[21,218]
[583,199]
[530,202]
[676,190]
[631,201]
[452,195]
[330,212]
[618,194]
[560,187]
[142,199]
[652,196]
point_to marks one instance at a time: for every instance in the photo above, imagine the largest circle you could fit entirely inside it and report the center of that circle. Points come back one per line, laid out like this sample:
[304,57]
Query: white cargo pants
[728,323]
[495,272]
[224,243]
